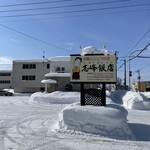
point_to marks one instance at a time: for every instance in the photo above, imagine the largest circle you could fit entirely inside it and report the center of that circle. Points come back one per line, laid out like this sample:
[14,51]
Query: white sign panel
[93,68]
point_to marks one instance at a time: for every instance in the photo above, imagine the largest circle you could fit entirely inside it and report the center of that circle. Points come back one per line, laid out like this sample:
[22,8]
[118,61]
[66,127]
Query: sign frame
[95,58]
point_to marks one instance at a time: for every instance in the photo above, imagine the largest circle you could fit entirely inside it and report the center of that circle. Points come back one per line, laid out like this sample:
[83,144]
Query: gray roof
[32,60]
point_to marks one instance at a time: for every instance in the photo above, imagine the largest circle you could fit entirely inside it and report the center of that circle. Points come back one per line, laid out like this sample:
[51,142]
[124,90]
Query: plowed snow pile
[109,121]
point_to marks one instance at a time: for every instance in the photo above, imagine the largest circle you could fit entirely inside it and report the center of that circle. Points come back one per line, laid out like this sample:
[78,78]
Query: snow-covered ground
[56,121]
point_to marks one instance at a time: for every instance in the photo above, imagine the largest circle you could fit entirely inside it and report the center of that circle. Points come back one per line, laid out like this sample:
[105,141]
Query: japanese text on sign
[93,68]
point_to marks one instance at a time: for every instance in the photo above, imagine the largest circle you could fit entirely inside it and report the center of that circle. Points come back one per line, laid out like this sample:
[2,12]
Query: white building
[27,75]
[5,79]
[60,74]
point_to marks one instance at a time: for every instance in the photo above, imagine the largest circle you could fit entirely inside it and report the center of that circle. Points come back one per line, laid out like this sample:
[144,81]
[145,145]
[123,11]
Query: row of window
[4,81]
[30,77]
[5,74]
[32,66]
[29,66]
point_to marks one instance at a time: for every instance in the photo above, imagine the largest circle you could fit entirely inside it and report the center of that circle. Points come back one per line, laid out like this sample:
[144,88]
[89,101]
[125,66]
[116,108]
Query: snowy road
[24,125]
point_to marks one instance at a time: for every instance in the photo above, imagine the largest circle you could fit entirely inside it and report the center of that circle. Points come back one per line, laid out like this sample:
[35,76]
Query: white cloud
[5,63]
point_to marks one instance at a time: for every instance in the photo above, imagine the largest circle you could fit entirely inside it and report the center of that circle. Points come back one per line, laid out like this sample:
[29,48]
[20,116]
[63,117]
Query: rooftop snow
[48,81]
[32,60]
[88,50]
[60,58]
[93,50]
[57,75]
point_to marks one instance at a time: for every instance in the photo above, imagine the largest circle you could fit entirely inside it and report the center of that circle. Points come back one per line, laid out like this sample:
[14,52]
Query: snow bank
[56,97]
[131,100]
[117,96]
[134,100]
[109,121]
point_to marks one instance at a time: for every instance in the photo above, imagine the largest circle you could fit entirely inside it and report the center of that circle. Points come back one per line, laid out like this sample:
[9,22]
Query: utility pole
[125,77]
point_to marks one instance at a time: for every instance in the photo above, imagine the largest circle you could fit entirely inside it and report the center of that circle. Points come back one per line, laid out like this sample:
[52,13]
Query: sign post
[93,69]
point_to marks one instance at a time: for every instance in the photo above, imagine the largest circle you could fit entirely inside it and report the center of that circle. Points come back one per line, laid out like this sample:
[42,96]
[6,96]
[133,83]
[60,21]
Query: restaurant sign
[93,68]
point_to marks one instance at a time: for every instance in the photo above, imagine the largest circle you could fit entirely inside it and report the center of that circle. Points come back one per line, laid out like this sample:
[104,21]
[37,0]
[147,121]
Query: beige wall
[140,86]
[20,85]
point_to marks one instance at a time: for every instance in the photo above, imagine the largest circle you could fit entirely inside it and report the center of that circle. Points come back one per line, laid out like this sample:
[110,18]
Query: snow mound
[134,100]
[88,50]
[109,121]
[131,100]
[56,97]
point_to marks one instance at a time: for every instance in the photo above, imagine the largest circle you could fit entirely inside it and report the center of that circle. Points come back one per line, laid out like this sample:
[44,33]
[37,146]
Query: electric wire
[34,38]
[74,16]
[143,36]
[37,3]
[75,11]
[139,41]
[63,6]
[136,55]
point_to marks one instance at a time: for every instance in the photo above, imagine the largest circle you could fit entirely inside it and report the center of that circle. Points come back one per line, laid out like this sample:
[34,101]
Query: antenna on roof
[104,46]
[80,49]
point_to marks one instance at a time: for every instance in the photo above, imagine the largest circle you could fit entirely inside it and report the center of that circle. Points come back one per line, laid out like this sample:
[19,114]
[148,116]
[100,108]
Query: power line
[73,16]
[37,3]
[75,11]
[64,6]
[139,41]
[35,38]
[143,49]
[135,46]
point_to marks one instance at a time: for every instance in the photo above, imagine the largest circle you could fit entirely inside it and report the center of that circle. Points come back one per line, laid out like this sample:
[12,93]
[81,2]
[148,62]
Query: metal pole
[82,97]
[104,94]
[140,51]
[129,74]
[139,78]
[125,78]
[131,58]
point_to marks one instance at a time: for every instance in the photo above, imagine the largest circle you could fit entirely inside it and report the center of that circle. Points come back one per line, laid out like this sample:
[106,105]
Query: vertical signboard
[93,68]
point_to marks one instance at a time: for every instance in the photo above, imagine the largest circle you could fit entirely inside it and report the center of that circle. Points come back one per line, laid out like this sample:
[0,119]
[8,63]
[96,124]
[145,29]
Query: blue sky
[120,25]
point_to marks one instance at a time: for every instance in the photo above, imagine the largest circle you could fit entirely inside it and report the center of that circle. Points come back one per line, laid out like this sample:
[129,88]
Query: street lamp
[140,51]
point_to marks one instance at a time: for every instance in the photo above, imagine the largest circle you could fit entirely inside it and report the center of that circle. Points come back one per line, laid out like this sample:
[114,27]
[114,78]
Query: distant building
[60,73]
[5,79]
[27,75]
[142,86]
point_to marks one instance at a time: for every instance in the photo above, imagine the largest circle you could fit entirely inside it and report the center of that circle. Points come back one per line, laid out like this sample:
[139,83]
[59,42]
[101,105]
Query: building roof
[5,71]
[48,81]
[57,75]
[32,60]
[60,58]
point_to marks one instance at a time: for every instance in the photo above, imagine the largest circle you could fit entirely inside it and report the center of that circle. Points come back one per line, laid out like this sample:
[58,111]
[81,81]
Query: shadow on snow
[140,131]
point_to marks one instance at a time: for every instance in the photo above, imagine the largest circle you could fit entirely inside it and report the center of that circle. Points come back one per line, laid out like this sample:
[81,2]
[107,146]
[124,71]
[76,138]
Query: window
[4,81]
[60,69]
[24,77]
[48,66]
[31,77]
[63,69]
[5,74]
[29,66]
